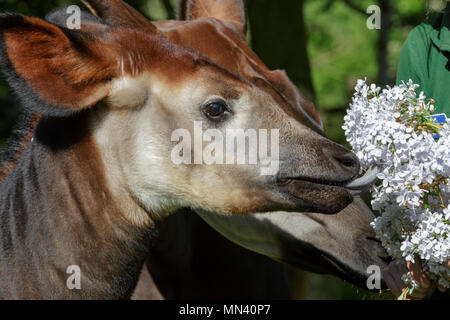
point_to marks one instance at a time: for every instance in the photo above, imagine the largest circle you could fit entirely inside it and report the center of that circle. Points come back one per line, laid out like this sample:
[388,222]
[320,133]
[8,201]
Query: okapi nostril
[348,163]
[347,160]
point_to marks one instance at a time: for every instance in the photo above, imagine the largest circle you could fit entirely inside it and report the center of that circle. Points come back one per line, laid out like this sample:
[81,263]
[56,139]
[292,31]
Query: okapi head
[137,82]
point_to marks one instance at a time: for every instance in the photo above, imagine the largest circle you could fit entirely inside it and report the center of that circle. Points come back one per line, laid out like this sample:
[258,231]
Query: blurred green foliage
[341,49]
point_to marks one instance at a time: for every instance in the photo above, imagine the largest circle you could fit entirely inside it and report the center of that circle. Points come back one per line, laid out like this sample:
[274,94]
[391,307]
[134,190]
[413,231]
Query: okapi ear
[54,71]
[117,13]
[60,17]
[226,10]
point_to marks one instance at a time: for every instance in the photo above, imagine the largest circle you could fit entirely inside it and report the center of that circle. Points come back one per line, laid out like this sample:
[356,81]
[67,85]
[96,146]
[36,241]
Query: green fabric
[425,59]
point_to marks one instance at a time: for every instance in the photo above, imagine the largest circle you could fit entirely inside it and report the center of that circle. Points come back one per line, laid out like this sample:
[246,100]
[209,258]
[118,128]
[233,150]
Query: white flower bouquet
[394,130]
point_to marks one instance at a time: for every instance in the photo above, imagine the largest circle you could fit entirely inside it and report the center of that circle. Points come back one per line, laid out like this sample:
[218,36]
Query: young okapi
[92,176]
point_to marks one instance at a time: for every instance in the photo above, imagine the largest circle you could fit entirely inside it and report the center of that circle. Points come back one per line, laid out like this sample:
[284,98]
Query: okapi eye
[216,110]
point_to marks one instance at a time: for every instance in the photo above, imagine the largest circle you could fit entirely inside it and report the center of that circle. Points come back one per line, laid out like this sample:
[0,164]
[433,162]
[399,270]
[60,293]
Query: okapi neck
[56,211]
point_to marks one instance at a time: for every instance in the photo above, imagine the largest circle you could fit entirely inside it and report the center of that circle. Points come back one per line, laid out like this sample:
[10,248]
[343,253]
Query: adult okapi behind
[91,176]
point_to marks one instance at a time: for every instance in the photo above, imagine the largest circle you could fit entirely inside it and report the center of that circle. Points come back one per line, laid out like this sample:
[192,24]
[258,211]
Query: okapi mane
[23,132]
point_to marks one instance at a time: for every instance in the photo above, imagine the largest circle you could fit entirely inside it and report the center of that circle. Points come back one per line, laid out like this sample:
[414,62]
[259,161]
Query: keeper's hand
[393,273]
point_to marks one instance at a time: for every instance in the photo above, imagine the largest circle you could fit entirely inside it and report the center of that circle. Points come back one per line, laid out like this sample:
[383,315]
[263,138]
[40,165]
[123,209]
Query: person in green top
[425,59]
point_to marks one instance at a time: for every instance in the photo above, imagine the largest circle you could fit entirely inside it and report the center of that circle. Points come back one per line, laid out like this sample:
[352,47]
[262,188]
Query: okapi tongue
[365,182]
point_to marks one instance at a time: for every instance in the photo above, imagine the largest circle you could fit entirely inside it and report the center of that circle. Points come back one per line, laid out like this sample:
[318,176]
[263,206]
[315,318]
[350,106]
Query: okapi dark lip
[291,189]
[287,180]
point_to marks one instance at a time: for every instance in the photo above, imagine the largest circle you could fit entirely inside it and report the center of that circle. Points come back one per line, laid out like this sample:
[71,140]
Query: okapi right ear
[54,71]
[232,11]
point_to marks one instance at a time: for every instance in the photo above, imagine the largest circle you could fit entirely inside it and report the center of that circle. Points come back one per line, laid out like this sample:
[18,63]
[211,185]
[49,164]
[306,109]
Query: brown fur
[86,76]
[232,53]
[228,11]
[17,144]
[97,172]
[227,47]
[120,14]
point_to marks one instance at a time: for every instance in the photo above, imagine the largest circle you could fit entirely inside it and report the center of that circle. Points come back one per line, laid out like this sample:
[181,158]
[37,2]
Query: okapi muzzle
[94,171]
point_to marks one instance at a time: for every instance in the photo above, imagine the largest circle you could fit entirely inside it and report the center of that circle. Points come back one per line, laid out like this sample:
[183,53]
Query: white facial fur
[133,132]
[134,128]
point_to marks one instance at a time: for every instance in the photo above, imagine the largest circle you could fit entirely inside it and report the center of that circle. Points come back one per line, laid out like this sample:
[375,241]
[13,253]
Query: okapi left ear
[117,13]
[232,11]
[55,71]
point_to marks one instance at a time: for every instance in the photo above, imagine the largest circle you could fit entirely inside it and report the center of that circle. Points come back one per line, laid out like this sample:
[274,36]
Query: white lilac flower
[391,128]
